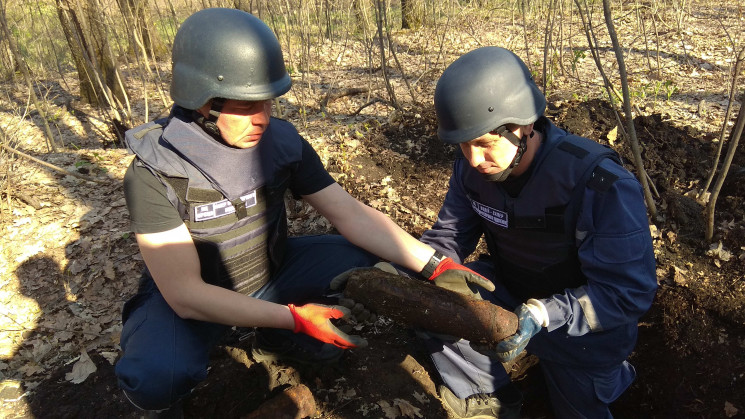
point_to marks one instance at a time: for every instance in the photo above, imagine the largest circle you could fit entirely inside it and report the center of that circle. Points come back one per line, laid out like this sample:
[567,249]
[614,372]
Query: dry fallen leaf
[365,409]
[110,356]
[81,370]
[679,276]
[730,410]
[613,136]
[391,412]
[718,252]
[407,409]
[30,369]
[108,270]
[348,394]
[77,266]
[421,397]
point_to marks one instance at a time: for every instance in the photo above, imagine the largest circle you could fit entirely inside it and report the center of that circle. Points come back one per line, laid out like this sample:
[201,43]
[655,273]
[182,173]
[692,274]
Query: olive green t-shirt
[150,210]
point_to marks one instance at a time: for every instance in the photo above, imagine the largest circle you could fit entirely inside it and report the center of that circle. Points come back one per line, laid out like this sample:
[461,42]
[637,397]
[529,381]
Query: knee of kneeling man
[153,387]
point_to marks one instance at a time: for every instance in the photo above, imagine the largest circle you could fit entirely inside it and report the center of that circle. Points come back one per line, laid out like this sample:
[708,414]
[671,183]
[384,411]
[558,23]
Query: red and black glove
[453,276]
[315,320]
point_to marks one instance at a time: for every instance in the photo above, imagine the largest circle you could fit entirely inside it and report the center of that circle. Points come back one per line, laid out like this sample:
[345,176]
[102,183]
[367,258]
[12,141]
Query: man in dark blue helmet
[206,200]
[568,238]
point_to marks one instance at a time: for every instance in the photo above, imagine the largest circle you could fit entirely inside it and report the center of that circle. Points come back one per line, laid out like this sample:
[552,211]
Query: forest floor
[69,260]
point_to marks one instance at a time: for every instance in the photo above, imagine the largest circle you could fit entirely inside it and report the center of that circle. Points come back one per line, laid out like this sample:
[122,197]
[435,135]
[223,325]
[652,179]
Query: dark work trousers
[575,392]
[164,356]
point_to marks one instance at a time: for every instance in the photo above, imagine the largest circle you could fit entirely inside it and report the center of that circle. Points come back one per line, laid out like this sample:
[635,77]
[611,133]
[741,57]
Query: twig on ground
[49,165]
[28,200]
[372,102]
[334,94]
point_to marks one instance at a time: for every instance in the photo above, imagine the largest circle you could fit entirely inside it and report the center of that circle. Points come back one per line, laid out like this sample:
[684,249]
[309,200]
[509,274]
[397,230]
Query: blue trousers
[164,356]
[574,392]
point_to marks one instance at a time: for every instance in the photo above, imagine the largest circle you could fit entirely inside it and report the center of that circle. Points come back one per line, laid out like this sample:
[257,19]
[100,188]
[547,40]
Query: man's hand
[456,277]
[532,317]
[360,314]
[340,281]
[315,320]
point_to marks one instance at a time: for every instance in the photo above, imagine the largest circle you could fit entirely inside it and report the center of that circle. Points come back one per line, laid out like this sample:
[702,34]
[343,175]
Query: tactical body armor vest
[531,237]
[232,200]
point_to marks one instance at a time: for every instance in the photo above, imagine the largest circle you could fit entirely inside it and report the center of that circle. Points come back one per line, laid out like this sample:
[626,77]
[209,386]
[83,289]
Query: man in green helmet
[205,194]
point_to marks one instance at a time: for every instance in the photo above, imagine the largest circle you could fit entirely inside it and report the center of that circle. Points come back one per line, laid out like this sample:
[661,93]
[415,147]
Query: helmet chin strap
[209,123]
[522,145]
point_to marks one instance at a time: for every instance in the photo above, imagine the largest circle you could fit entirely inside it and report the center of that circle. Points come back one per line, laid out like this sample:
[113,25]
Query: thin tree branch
[732,148]
[636,149]
[49,165]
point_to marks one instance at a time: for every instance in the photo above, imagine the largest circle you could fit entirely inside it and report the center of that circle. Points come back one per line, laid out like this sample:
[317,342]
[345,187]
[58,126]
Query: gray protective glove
[360,314]
[340,281]
[456,284]
[448,274]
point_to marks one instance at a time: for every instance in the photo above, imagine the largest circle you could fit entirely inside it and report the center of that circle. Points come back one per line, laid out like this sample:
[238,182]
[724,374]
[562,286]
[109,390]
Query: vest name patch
[490,214]
[221,208]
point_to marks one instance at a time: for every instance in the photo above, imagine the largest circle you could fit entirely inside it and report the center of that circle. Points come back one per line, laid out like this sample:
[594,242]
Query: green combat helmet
[227,54]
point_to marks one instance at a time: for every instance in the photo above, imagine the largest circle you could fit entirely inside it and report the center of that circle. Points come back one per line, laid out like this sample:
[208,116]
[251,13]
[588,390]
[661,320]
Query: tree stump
[422,304]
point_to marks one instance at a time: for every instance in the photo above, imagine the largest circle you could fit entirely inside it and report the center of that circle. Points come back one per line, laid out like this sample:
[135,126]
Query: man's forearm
[219,305]
[378,234]
[174,264]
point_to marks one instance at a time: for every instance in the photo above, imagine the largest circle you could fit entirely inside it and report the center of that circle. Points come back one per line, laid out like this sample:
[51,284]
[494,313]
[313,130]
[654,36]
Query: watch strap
[429,268]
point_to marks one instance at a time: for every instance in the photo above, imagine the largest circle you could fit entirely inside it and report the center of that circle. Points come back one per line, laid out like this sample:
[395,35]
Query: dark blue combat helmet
[483,90]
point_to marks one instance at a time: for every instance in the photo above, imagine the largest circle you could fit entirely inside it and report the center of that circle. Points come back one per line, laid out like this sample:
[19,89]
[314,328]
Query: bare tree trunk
[723,132]
[360,13]
[392,48]
[635,148]
[67,19]
[384,67]
[732,148]
[405,7]
[139,21]
[327,12]
[8,60]
[590,35]
[411,14]
[100,82]
[592,42]
[547,47]
[6,173]
[525,32]
[27,77]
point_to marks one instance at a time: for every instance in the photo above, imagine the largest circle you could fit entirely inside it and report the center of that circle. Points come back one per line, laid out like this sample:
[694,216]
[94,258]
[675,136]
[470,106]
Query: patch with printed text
[490,214]
[221,208]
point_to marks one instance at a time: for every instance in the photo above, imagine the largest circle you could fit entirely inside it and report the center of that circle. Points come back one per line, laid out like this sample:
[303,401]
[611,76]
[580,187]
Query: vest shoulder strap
[191,195]
[138,133]
[594,176]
